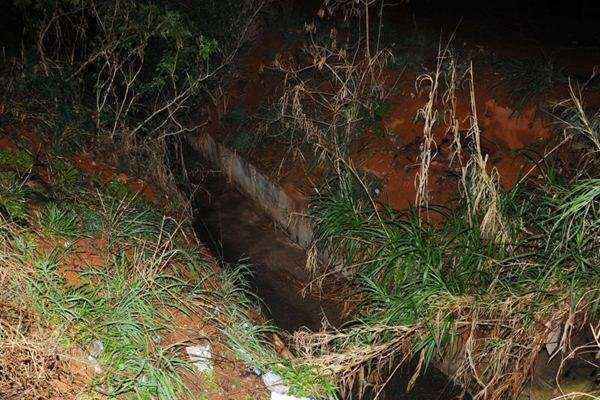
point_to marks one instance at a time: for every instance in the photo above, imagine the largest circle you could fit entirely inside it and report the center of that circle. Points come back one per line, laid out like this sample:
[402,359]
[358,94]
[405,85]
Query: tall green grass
[438,280]
[148,271]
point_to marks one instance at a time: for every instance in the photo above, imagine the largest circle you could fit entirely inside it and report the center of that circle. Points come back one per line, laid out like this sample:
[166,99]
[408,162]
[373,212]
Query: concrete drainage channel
[236,217]
[272,199]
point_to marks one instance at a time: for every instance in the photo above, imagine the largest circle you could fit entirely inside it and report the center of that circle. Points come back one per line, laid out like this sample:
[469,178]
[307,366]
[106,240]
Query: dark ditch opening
[235,228]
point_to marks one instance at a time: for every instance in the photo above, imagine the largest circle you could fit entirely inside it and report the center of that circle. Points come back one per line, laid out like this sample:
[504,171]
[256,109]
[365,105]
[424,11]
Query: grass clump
[19,161]
[103,273]
[118,308]
[122,304]
[577,120]
[249,342]
[58,222]
[12,196]
[243,142]
[487,297]
[65,175]
[428,290]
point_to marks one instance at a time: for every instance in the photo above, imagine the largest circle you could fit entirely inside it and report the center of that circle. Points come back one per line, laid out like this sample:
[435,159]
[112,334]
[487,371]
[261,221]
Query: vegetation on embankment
[103,281]
[97,288]
[491,285]
[499,285]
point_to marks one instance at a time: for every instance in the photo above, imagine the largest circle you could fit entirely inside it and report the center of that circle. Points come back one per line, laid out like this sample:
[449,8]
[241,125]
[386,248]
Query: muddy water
[235,228]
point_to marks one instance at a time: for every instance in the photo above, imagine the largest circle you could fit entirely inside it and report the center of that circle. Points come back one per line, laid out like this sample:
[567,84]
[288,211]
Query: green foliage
[215,15]
[135,67]
[65,175]
[578,120]
[249,340]
[372,118]
[55,100]
[380,110]
[57,221]
[243,141]
[305,380]
[118,307]
[412,273]
[118,190]
[13,197]
[237,116]
[577,220]
[19,160]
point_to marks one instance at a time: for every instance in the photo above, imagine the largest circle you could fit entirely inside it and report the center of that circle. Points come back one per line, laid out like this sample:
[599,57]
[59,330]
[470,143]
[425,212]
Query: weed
[118,190]
[13,196]
[118,308]
[417,277]
[330,120]
[20,160]
[66,177]
[58,221]
[242,142]
[236,116]
[505,258]
[577,120]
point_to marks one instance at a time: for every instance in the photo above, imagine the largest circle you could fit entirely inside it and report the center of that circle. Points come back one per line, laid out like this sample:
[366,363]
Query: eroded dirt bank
[237,229]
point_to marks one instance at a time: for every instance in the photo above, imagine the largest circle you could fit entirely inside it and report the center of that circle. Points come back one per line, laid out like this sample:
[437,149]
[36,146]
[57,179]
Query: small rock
[274,383]
[201,357]
[96,348]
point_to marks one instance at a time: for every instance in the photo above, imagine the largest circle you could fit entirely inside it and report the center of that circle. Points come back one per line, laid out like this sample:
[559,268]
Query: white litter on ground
[201,356]
[274,383]
[94,364]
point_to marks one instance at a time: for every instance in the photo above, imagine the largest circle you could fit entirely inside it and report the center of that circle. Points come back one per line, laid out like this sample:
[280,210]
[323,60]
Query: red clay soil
[393,159]
[7,144]
[509,136]
[72,375]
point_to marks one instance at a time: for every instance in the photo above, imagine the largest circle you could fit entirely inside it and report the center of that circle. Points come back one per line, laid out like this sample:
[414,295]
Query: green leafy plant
[65,175]
[19,160]
[243,142]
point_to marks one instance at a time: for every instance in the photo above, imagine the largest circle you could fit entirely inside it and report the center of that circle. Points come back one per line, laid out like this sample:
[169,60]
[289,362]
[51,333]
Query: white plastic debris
[553,340]
[201,356]
[279,396]
[274,383]
[255,370]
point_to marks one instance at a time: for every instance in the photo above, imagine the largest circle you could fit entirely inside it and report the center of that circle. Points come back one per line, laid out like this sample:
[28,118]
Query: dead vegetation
[478,295]
[507,278]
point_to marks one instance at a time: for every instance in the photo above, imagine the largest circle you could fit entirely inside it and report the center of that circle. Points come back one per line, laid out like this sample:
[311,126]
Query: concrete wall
[288,214]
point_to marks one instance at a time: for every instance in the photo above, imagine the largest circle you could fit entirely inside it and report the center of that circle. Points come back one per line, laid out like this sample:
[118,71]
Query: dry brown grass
[327,107]
[429,114]
[33,363]
[481,183]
